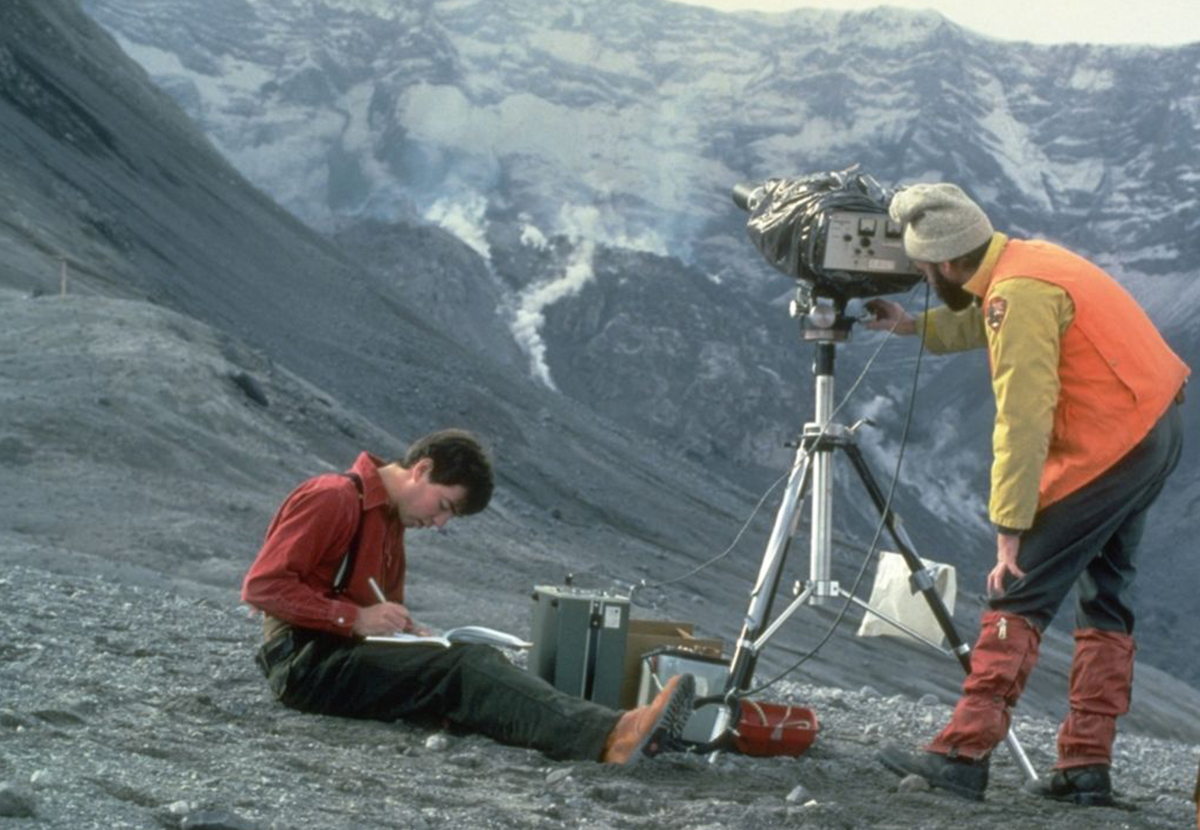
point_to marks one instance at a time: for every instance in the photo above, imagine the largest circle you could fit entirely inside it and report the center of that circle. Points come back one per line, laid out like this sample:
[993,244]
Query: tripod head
[821,318]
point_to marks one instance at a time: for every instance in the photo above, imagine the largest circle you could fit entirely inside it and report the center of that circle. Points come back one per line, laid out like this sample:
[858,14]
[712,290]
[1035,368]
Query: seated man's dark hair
[458,458]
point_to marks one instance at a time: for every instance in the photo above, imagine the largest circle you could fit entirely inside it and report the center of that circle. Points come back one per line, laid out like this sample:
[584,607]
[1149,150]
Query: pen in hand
[408,624]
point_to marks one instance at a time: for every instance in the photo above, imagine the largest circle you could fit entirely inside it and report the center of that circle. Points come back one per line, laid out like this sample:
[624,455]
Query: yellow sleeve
[952,331]
[1024,320]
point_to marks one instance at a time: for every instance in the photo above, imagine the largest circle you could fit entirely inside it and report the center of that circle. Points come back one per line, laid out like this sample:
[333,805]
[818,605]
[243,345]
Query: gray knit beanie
[940,222]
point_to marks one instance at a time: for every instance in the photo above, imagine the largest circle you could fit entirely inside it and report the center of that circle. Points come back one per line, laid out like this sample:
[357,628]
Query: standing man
[1087,430]
[336,539]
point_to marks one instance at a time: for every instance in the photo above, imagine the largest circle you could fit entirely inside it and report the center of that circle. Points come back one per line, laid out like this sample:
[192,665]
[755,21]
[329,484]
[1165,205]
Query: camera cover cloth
[788,222]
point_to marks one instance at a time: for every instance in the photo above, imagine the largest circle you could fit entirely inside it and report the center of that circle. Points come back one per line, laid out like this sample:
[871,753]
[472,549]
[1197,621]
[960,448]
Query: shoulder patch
[997,307]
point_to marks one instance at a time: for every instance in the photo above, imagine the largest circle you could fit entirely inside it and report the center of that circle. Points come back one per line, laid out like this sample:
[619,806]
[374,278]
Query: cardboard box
[648,635]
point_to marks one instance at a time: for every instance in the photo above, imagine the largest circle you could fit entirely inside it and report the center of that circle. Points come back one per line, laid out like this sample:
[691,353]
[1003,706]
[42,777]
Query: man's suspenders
[345,570]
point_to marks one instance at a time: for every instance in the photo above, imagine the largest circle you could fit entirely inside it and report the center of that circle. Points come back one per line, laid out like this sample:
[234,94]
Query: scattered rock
[437,743]
[15,452]
[869,692]
[250,387]
[913,784]
[799,794]
[59,717]
[215,820]
[467,760]
[43,779]
[190,730]
[11,720]
[928,700]
[558,775]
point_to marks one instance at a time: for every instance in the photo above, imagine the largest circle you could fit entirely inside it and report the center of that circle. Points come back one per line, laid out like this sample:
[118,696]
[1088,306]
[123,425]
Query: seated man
[339,536]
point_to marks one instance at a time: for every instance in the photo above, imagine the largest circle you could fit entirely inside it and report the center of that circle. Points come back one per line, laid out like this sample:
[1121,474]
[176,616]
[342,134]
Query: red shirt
[292,576]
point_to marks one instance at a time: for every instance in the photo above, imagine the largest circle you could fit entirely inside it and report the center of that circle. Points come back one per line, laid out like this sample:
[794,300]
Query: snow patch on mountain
[233,76]
[586,51]
[382,9]
[1092,79]
[1013,145]
[952,493]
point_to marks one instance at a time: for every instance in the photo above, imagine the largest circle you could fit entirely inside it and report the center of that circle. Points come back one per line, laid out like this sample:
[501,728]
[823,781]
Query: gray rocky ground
[128,707]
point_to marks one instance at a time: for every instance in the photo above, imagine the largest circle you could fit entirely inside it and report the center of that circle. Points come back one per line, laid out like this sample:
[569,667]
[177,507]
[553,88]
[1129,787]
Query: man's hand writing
[384,618]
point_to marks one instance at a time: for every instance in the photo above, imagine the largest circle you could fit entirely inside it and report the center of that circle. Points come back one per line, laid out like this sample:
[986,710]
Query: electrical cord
[801,458]
[874,541]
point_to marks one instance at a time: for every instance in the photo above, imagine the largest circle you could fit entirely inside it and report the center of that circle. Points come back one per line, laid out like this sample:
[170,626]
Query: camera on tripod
[832,233]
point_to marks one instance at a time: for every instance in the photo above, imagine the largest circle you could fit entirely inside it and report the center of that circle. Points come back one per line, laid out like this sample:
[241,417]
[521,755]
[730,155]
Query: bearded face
[952,294]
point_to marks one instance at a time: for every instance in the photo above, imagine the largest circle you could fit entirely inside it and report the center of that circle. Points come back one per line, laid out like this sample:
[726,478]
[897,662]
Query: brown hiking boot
[643,731]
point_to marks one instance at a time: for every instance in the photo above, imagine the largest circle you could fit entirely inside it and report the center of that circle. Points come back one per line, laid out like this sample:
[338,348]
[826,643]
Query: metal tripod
[812,469]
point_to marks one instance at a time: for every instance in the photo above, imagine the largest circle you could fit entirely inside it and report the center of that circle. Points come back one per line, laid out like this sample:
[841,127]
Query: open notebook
[462,634]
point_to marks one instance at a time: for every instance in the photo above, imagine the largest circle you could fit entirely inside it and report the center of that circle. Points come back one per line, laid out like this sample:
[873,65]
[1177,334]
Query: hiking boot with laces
[966,777]
[1088,786]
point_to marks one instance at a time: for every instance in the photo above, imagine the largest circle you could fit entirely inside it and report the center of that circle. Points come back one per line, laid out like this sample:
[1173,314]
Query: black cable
[912,399]
[745,525]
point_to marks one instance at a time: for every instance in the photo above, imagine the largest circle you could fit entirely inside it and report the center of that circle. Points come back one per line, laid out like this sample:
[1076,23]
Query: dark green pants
[471,687]
[1090,539]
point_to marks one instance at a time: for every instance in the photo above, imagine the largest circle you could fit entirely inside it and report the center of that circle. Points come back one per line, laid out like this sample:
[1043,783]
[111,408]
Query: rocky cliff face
[626,123]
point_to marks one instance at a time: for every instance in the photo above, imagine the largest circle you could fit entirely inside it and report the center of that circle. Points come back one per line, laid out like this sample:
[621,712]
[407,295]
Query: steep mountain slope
[104,171]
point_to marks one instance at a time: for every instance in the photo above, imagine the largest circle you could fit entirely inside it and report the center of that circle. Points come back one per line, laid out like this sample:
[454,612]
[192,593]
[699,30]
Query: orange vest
[1117,376]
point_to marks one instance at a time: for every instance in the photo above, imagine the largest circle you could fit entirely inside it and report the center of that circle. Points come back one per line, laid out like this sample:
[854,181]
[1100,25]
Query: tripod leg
[923,581]
[741,665]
